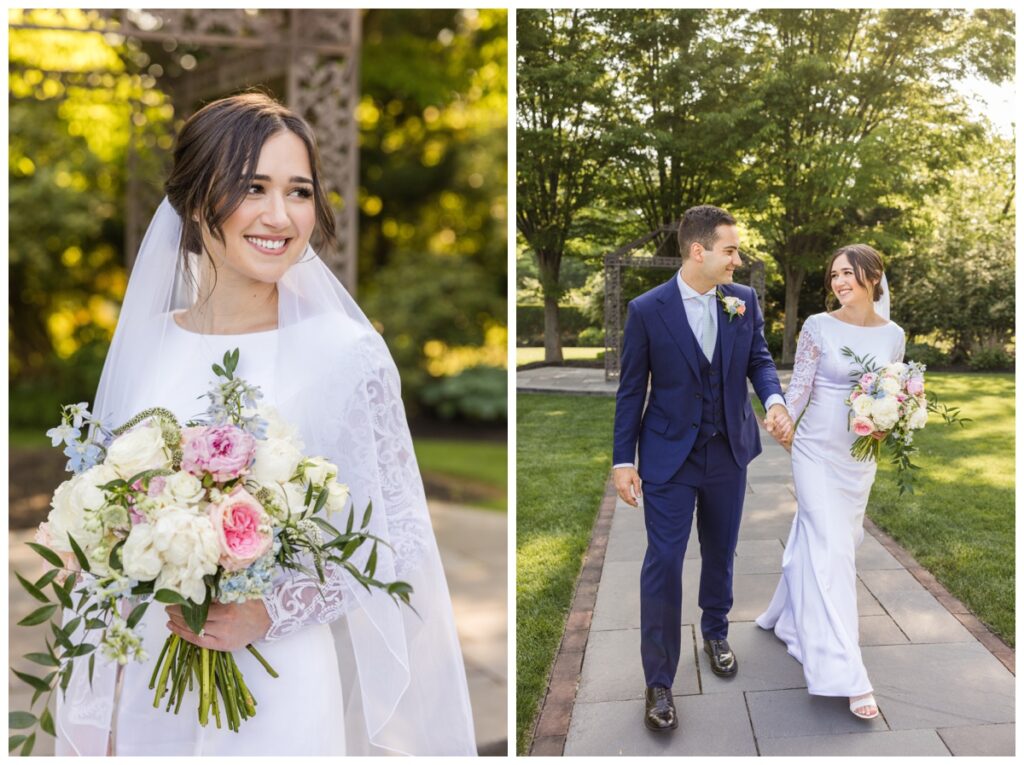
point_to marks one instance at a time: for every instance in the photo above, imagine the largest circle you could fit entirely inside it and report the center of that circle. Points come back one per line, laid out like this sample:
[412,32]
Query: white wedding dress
[814,608]
[298,712]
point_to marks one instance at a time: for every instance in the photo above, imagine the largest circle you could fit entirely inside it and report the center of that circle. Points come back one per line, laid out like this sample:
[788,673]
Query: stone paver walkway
[474,550]
[940,691]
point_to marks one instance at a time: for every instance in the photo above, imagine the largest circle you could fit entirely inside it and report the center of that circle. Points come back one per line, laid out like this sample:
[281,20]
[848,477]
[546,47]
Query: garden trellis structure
[665,256]
[308,58]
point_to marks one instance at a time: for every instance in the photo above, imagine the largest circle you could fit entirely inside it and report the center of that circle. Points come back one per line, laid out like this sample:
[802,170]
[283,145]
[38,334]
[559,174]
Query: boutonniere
[733,305]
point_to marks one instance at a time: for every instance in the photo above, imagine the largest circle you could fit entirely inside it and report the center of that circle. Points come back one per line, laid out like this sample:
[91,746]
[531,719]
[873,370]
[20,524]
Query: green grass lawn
[959,524]
[479,462]
[531,355]
[564,448]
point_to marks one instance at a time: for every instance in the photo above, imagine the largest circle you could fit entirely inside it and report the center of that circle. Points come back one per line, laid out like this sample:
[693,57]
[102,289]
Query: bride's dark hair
[215,159]
[867,267]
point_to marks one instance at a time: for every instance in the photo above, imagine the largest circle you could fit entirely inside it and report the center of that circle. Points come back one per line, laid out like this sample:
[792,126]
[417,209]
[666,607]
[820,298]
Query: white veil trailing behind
[883,303]
[402,672]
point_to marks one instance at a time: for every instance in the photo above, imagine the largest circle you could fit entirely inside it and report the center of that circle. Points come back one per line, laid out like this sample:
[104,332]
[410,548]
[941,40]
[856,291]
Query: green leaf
[82,649]
[366,515]
[20,720]
[371,563]
[195,615]
[46,722]
[328,528]
[61,636]
[15,741]
[351,521]
[169,596]
[46,578]
[309,494]
[95,624]
[39,616]
[47,553]
[350,548]
[82,560]
[136,614]
[35,682]
[321,500]
[71,626]
[219,371]
[115,557]
[26,750]
[62,594]
[92,667]
[31,589]
[46,659]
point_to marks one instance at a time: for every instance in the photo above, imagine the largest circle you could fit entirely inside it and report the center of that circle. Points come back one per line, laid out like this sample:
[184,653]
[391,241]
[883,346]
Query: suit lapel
[674,315]
[726,333]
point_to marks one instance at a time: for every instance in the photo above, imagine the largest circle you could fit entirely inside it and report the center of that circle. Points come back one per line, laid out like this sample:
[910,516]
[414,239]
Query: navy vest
[712,421]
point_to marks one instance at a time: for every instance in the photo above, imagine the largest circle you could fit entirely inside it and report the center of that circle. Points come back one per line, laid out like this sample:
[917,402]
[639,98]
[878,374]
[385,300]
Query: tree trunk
[794,281]
[552,330]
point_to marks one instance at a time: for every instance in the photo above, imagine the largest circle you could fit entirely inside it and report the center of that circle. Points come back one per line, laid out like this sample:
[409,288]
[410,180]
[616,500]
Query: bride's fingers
[203,640]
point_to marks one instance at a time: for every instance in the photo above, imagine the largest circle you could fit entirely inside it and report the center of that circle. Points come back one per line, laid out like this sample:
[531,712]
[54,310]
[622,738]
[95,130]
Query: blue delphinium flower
[63,433]
[82,455]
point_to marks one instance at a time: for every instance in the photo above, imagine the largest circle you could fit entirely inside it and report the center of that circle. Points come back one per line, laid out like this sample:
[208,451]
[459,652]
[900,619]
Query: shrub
[530,324]
[990,359]
[477,393]
[591,337]
[926,354]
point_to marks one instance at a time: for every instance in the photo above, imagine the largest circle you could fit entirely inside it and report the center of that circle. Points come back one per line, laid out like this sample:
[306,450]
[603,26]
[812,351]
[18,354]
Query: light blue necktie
[707,342]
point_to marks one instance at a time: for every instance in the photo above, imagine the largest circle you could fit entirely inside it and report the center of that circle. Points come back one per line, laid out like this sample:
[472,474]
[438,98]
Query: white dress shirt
[696,306]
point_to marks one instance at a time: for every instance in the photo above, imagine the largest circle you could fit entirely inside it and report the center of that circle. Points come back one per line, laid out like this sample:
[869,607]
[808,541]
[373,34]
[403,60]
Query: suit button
[694,426]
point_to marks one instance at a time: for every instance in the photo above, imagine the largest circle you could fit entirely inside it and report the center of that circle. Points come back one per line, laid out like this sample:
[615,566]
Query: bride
[227,263]
[814,608]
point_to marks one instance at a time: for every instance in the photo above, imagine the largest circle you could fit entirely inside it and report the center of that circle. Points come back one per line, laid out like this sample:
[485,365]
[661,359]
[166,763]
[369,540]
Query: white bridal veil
[402,673]
[883,303]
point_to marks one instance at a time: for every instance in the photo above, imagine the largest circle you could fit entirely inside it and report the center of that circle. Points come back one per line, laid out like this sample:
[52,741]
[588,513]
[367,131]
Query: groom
[696,339]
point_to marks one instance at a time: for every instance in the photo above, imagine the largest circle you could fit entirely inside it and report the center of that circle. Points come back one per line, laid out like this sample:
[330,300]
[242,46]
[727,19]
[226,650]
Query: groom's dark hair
[699,224]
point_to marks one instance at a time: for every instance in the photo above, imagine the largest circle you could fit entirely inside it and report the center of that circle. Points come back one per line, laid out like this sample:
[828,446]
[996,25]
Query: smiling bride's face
[847,286]
[269,230]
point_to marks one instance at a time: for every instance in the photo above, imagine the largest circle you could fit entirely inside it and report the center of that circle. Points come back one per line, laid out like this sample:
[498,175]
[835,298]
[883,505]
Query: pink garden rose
[223,451]
[862,426]
[915,386]
[741,309]
[243,529]
[867,379]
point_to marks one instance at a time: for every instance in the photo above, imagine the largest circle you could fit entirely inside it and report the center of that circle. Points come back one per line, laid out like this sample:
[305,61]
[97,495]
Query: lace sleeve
[808,351]
[384,466]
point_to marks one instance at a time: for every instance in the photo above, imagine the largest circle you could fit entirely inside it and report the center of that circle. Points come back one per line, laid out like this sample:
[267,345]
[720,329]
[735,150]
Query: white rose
[862,406]
[891,385]
[318,471]
[276,460]
[140,556]
[278,427]
[70,503]
[141,448]
[188,546]
[919,418]
[337,497]
[885,413]
[183,489]
[897,369]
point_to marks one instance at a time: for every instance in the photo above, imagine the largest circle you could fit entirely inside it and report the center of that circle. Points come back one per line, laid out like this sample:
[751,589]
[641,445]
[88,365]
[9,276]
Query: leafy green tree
[859,126]
[562,91]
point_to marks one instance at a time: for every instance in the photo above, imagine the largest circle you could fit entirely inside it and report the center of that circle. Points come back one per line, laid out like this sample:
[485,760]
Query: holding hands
[780,425]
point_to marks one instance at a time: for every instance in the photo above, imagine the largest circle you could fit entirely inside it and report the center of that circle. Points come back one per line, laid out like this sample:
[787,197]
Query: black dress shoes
[661,711]
[723,660]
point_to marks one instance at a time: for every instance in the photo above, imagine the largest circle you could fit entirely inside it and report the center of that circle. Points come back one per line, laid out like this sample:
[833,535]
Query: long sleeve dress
[814,608]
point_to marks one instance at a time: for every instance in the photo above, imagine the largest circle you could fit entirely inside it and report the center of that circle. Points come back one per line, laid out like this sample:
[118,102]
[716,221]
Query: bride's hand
[228,627]
[880,435]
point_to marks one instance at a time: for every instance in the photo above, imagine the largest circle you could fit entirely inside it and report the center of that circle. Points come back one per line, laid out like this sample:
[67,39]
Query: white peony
[891,385]
[140,556]
[862,406]
[71,504]
[278,427]
[318,471]
[885,413]
[141,448]
[337,497]
[919,418]
[276,460]
[188,548]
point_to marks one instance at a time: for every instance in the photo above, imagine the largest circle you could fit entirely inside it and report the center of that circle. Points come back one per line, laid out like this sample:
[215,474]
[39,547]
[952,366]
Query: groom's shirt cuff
[622,464]
[774,399]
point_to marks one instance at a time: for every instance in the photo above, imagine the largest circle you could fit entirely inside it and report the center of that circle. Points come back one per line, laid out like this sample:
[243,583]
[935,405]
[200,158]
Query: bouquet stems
[219,678]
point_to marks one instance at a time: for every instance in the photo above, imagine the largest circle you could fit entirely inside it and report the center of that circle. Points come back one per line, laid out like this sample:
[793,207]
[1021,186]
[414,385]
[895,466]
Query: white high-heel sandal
[864,701]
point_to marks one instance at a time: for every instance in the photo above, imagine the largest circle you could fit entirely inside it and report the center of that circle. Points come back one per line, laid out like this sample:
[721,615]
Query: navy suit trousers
[711,479]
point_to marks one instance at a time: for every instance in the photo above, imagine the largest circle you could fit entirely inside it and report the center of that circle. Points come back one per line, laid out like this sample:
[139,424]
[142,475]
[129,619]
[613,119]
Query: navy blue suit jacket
[658,346]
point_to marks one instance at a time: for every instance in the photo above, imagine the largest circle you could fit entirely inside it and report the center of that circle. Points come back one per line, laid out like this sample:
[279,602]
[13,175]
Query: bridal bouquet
[182,515]
[890,400]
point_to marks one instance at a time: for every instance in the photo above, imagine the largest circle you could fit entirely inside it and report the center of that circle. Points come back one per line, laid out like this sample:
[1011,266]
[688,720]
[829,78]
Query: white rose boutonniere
[733,306]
